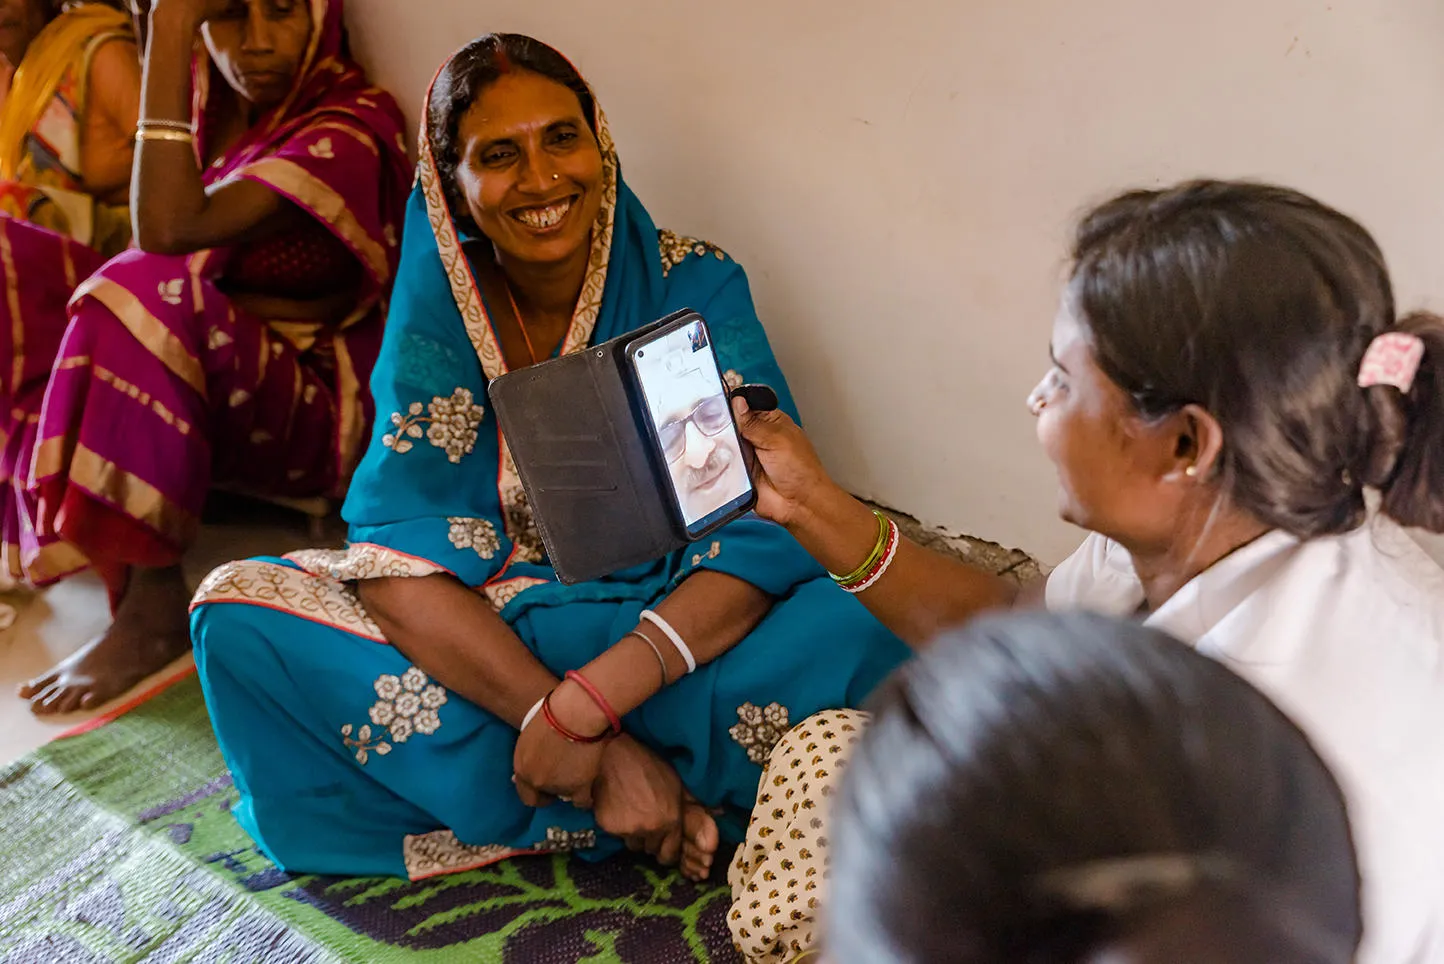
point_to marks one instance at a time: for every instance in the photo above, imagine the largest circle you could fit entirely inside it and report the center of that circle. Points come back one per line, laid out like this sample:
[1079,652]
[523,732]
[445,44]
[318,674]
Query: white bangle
[674,636]
[531,714]
[893,542]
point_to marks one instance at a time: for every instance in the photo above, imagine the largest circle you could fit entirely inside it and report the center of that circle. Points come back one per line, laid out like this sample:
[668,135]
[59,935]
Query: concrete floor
[54,622]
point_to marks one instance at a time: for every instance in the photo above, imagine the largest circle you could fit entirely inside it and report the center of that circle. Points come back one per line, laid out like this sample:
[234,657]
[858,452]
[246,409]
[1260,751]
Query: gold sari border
[12,300]
[149,330]
[295,182]
[349,412]
[364,560]
[105,480]
[53,563]
[357,135]
[296,592]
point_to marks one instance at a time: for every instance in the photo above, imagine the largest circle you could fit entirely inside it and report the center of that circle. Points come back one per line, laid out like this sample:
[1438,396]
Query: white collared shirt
[1346,635]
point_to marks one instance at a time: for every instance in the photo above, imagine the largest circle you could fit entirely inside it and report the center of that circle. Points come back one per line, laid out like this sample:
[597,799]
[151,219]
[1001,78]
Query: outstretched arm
[921,593]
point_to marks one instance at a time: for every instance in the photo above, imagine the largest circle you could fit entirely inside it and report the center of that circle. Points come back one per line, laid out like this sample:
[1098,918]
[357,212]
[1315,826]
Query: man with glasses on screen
[694,424]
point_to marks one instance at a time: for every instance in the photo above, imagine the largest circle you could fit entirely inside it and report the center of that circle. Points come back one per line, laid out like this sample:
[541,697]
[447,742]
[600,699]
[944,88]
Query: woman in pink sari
[235,343]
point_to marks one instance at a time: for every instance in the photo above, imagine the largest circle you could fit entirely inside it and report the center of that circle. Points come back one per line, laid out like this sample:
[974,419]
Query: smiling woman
[647,699]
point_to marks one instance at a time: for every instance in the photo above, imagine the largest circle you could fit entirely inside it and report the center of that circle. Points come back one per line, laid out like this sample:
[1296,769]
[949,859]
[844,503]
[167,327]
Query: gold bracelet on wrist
[152,134]
[147,123]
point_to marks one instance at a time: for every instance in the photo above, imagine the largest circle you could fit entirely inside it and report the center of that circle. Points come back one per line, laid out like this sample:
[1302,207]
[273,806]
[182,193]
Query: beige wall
[899,177]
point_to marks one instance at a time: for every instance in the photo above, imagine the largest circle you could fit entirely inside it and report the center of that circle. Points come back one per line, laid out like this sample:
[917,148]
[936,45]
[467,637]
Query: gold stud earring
[556,177]
[1191,471]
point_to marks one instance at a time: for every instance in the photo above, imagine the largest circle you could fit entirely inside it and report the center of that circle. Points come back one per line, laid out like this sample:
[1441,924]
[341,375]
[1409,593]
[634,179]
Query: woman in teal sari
[369,700]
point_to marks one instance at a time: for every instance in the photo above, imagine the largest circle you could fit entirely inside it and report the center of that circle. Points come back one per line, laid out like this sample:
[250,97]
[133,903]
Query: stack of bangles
[179,132]
[877,562]
[543,706]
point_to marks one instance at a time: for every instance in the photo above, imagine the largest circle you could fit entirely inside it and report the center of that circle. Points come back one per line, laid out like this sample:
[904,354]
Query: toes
[44,702]
[699,842]
[29,690]
[69,700]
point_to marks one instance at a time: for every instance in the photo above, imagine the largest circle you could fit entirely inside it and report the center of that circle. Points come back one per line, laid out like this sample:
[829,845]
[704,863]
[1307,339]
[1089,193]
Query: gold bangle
[147,123]
[178,137]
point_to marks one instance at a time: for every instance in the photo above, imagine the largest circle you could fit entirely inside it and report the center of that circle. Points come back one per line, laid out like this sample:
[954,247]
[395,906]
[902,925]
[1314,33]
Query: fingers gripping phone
[688,415]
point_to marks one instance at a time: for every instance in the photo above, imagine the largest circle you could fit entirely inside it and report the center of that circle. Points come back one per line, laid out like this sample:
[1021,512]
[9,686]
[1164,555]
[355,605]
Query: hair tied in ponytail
[1392,359]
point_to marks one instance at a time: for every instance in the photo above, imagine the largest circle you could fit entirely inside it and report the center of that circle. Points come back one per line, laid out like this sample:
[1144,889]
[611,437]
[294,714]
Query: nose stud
[1035,404]
[556,177]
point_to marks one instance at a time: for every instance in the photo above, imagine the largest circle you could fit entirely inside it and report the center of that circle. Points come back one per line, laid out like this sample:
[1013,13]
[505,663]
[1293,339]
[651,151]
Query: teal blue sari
[349,759]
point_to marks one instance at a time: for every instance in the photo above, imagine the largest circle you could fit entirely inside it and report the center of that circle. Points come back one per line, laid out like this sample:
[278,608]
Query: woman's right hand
[190,12]
[549,766]
[786,471]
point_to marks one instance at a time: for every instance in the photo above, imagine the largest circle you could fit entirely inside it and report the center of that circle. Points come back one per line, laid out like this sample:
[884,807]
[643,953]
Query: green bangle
[873,557]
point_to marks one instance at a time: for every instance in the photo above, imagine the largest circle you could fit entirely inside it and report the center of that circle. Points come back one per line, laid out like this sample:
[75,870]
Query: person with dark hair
[1229,383]
[431,698]
[1069,789]
[231,345]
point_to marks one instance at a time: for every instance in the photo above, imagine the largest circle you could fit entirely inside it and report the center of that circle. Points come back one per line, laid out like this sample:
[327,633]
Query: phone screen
[692,423]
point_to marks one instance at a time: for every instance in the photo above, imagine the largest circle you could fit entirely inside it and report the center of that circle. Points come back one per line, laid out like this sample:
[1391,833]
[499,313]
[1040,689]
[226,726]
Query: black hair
[1039,788]
[474,68]
[1257,303]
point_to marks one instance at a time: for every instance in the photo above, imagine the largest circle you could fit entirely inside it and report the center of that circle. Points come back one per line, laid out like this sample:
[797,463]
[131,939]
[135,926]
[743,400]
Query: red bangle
[597,698]
[567,734]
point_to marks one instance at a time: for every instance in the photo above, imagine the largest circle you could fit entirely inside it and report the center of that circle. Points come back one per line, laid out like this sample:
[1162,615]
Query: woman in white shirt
[1229,380]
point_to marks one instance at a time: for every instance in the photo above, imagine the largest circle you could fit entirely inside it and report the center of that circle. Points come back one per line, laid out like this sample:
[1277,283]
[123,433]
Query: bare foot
[700,840]
[149,631]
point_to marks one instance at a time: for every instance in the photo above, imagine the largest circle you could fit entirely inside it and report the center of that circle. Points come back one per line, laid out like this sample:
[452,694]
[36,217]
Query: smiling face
[259,46]
[530,169]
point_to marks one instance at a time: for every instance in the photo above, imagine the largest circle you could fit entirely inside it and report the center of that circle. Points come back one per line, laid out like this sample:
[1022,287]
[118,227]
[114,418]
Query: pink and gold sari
[163,384]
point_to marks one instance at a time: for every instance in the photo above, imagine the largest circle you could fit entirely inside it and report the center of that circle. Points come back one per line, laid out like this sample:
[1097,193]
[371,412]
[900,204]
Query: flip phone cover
[572,429]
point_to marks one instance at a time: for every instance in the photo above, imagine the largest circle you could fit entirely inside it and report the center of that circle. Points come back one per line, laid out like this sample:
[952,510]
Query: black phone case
[587,470]
[574,426]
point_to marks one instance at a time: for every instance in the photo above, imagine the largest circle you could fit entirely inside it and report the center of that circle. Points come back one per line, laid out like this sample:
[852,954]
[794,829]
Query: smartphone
[689,420]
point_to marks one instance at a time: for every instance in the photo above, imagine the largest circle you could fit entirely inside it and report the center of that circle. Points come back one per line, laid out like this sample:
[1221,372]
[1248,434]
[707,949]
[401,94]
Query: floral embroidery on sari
[499,594]
[361,561]
[759,729]
[407,705]
[479,535]
[712,552]
[561,841]
[271,585]
[439,852]
[451,425]
[677,248]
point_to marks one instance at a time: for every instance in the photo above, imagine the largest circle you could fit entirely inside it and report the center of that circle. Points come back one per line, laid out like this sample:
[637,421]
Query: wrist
[827,507]
[168,21]
[576,710]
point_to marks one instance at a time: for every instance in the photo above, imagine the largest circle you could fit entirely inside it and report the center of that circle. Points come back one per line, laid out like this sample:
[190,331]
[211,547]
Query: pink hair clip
[1392,359]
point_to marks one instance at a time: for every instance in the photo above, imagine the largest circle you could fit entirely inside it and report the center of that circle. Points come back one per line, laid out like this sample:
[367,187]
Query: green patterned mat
[118,845]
